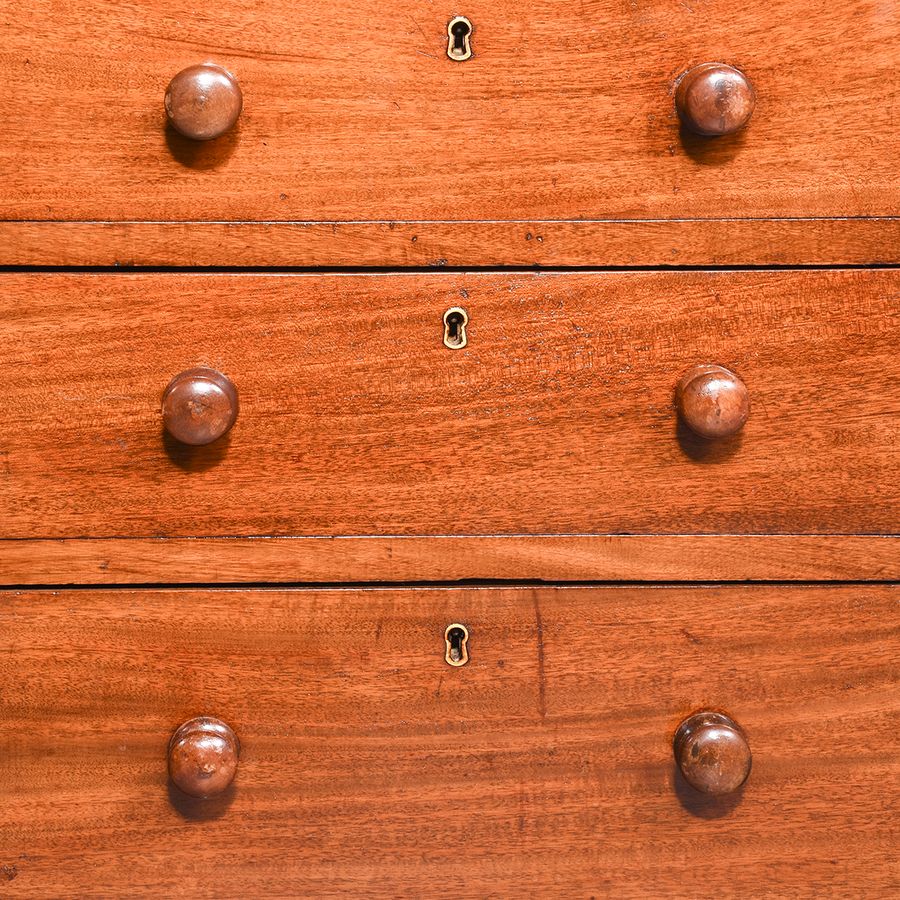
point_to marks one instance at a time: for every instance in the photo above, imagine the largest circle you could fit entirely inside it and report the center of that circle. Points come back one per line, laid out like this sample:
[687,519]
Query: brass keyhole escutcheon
[459,31]
[455,321]
[456,637]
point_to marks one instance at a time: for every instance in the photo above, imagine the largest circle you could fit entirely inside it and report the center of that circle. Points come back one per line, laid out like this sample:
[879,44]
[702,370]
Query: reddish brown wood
[605,557]
[714,99]
[712,753]
[203,757]
[369,767]
[203,101]
[557,417]
[199,406]
[712,401]
[564,114]
[723,242]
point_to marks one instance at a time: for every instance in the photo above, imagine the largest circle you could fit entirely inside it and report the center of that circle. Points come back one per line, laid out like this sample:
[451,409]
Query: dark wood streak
[539,642]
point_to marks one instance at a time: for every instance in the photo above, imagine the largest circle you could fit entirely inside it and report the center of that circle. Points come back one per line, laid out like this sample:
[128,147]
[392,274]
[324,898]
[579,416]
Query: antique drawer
[367,764]
[355,418]
[360,140]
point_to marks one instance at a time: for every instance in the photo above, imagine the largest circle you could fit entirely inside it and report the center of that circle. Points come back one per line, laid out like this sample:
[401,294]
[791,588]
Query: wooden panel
[355,419]
[371,767]
[682,242]
[633,557]
[356,114]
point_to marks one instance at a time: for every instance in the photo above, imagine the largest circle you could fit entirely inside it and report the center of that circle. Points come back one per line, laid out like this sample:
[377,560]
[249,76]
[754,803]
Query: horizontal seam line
[406,537]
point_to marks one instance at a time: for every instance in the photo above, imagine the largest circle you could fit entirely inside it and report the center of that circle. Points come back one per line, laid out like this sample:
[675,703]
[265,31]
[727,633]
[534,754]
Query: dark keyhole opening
[454,322]
[460,31]
[455,636]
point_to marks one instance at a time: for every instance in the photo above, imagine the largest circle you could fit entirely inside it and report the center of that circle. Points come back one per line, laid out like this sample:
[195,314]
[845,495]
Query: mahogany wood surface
[611,557]
[354,113]
[680,242]
[369,767]
[557,417]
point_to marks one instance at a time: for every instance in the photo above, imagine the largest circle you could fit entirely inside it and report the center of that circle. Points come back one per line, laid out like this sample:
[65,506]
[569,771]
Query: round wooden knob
[712,401]
[203,757]
[199,406]
[712,752]
[714,99]
[203,101]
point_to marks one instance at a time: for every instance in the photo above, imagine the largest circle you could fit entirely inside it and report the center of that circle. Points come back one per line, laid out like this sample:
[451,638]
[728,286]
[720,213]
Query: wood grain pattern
[682,242]
[557,418]
[370,767]
[352,114]
[612,557]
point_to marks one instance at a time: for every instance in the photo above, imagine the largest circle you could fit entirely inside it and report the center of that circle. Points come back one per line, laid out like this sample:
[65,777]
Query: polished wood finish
[557,417]
[564,114]
[603,557]
[712,753]
[687,242]
[203,102]
[712,401]
[369,767]
[203,757]
[714,99]
[199,406]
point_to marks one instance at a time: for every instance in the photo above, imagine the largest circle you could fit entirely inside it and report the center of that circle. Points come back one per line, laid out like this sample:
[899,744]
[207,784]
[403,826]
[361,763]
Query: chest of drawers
[449,450]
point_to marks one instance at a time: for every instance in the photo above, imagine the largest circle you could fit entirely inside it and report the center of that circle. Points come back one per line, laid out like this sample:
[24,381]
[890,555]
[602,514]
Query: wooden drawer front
[557,417]
[369,765]
[354,112]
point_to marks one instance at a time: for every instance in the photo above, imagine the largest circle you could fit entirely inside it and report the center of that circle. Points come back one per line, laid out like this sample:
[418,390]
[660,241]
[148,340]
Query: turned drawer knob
[714,99]
[712,752]
[203,757]
[712,401]
[203,102]
[199,406]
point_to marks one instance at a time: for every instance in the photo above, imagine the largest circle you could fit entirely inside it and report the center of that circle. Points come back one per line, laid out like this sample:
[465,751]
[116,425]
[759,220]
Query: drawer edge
[651,243]
[445,558]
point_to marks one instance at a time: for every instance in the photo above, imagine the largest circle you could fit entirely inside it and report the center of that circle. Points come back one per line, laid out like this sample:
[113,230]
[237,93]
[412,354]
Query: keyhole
[460,46]
[456,637]
[455,321]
